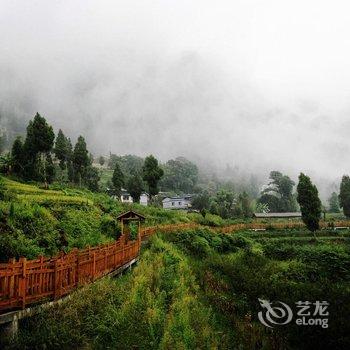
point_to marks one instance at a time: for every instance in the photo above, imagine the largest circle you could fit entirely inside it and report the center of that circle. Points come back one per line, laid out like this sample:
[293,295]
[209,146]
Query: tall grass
[157,306]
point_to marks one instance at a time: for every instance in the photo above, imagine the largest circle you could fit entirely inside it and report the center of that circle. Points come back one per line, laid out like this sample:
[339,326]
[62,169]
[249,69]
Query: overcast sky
[262,84]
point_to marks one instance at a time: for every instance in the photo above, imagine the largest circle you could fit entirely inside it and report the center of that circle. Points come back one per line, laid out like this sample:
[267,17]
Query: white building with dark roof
[178,202]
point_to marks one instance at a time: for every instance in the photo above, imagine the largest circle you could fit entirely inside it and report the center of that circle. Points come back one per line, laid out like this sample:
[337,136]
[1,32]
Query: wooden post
[105,269]
[11,279]
[77,268]
[55,279]
[93,265]
[23,282]
[41,275]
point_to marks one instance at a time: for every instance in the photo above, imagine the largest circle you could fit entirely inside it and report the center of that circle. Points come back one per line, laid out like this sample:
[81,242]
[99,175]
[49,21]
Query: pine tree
[152,173]
[61,149]
[344,195]
[117,179]
[310,204]
[135,187]
[333,202]
[17,154]
[80,160]
[38,144]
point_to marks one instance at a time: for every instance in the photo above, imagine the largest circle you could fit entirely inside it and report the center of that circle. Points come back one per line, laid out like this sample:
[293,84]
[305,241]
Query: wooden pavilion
[129,217]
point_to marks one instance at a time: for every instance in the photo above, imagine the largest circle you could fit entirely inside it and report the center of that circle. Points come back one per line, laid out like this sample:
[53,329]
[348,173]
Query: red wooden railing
[25,282]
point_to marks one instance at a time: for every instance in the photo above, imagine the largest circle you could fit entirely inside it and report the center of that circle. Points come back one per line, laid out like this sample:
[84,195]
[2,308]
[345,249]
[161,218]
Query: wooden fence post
[93,265]
[23,282]
[55,279]
[77,268]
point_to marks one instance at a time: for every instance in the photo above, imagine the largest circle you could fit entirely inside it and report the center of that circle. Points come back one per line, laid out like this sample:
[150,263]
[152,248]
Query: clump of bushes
[110,227]
[202,242]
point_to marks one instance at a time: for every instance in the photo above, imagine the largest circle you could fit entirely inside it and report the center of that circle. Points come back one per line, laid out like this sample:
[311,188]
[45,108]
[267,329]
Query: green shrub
[109,227]
[134,230]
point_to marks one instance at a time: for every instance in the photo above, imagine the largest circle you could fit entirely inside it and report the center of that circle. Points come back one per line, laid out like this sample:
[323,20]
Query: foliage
[333,203]
[222,204]
[129,164]
[310,204]
[201,201]
[344,195]
[81,160]
[118,179]
[134,230]
[101,160]
[63,149]
[152,173]
[278,195]
[91,178]
[158,306]
[180,175]
[135,187]
[18,156]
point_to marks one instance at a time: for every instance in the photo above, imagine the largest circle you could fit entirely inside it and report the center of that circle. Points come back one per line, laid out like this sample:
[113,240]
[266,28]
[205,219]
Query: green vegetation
[310,204]
[35,221]
[158,306]
[200,290]
[344,195]
[152,174]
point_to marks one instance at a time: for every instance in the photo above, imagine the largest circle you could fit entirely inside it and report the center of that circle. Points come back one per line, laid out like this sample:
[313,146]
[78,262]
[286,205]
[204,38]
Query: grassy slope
[36,221]
[158,306]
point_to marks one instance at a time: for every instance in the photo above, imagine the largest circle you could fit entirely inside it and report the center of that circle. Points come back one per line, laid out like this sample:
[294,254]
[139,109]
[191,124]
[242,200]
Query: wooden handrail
[25,282]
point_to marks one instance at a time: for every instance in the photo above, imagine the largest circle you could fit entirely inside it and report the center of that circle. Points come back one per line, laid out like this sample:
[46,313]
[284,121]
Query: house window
[125,198]
[179,203]
[172,203]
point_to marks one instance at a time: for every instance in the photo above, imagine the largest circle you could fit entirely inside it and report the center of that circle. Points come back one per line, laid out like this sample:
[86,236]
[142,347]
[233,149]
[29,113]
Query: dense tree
[152,173]
[201,201]
[40,135]
[310,204]
[91,178]
[61,149]
[17,154]
[223,204]
[281,187]
[37,147]
[180,175]
[70,168]
[271,201]
[243,206]
[80,160]
[101,160]
[129,164]
[118,179]
[135,187]
[333,203]
[344,195]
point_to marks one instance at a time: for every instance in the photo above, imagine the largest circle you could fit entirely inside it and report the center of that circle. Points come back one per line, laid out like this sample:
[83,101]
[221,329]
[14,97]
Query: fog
[259,85]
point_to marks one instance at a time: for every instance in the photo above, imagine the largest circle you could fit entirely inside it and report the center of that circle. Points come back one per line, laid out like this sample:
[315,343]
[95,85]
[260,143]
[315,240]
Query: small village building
[125,197]
[178,202]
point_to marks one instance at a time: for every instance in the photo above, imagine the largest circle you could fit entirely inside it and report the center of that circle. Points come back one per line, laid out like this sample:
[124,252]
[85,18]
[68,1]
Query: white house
[144,199]
[183,202]
[125,197]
